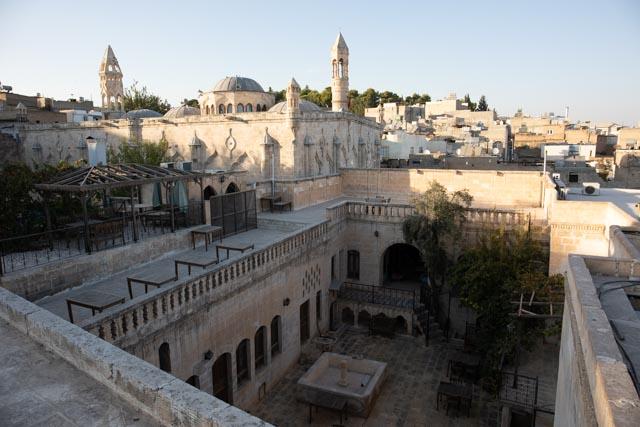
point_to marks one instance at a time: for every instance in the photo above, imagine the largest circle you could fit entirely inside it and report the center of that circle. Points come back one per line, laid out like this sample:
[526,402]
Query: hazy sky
[538,55]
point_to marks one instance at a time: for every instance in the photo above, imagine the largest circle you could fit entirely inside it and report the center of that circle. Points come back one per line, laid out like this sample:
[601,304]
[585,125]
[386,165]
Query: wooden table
[151,278]
[95,300]
[335,403]
[281,205]
[466,363]
[208,231]
[270,200]
[456,392]
[195,260]
[240,247]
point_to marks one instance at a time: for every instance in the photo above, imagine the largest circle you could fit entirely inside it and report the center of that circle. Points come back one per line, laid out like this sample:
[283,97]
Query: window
[353,265]
[165,357]
[242,361]
[319,306]
[275,336]
[220,109]
[573,177]
[240,108]
[304,322]
[229,109]
[249,108]
[207,110]
[333,267]
[260,344]
[194,381]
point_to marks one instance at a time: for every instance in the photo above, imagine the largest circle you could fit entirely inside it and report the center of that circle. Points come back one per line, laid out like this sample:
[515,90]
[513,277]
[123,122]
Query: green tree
[388,96]
[417,99]
[492,274]
[136,98]
[147,153]
[191,103]
[482,104]
[280,95]
[471,104]
[436,225]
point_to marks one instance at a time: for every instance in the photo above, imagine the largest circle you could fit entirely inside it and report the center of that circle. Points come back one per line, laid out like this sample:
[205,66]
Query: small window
[249,108]
[229,109]
[220,109]
[319,306]
[353,265]
[275,336]
[573,177]
[242,362]
[260,345]
[240,108]
[165,357]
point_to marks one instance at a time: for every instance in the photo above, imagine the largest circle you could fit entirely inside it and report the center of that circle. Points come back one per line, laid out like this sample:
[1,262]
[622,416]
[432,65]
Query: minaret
[293,97]
[111,82]
[340,75]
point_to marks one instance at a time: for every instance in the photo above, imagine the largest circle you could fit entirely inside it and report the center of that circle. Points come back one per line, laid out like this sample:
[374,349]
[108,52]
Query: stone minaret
[340,75]
[111,82]
[293,97]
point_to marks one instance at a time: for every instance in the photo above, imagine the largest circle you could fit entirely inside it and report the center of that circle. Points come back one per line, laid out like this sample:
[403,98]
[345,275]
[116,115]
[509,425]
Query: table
[95,300]
[195,260]
[240,247]
[457,392]
[271,200]
[464,362]
[152,278]
[335,403]
[281,205]
[208,231]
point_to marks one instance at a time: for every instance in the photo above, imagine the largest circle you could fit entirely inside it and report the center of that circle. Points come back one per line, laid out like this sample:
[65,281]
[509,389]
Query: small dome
[305,107]
[182,111]
[232,84]
[143,113]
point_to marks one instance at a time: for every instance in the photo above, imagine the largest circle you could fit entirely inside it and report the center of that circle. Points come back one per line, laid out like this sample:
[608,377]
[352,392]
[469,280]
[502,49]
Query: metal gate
[234,212]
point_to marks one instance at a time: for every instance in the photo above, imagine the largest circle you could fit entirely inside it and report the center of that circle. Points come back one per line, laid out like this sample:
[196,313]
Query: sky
[536,55]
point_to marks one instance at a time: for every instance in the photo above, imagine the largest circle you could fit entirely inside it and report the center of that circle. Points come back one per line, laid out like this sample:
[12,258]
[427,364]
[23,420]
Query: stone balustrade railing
[387,212]
[144,314]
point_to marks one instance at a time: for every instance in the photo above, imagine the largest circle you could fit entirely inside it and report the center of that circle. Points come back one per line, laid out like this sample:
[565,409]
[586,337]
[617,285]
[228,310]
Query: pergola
[89,179]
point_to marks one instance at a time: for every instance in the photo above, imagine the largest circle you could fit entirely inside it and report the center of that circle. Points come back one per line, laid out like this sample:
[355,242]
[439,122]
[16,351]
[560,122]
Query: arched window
[249,108]
[240,108]
[340,69]
[260,344]
[165,357]
[242,361]
[275,336]
[220,109]
[264,107]
[209,192]
[353,265]
[258,107]
[229,108]
[232,188]
[207,110]
[194,381]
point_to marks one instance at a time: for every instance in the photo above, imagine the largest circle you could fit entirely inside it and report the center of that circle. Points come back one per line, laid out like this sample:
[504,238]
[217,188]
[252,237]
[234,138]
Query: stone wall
[170,401]
[490,189]
[594,386]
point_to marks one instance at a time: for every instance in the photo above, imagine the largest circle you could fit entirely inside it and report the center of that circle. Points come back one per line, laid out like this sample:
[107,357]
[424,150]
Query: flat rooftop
[37,387]
[624,198]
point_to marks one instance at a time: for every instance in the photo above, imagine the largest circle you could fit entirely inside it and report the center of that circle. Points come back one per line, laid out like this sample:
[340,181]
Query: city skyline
[557,52]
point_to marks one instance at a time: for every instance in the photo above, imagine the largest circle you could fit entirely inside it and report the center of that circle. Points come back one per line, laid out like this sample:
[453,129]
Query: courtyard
[408,395]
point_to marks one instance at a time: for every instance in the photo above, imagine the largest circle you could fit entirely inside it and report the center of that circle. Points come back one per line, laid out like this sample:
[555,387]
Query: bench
[279,206]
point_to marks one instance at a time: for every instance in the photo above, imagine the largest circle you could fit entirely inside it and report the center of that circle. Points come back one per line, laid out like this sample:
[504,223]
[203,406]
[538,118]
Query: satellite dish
[458,151]
[495,151]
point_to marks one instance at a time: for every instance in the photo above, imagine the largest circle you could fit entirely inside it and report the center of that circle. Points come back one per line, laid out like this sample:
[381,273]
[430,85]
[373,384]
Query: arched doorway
[232,188]
[402,266]
[221,373]
[347,316]
[364,319]
[164,355]
[209,192]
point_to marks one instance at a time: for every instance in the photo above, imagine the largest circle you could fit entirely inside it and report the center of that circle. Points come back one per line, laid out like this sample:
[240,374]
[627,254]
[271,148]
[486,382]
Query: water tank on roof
[97,151]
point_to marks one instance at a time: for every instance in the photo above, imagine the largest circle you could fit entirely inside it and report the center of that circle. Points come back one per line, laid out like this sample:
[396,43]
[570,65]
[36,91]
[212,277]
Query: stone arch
[364,319]
[164,355]
[249,108]
[222,378]
[206,109]
[232,188]
[240,108]
[243,370]
[276,335]
[221,109]
[229,108]
[401,325]
[260,348]
[401,261]
[347,316]
[209,192]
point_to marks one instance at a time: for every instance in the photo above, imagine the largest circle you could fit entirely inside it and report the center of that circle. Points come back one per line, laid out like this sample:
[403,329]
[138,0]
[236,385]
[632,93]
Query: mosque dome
[305,107]
[233,84]
[182,111]
[143,113]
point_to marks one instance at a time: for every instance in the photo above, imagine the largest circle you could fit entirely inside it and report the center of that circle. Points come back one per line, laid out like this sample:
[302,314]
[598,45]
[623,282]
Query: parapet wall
[167,399]
[594,386]
[490,189]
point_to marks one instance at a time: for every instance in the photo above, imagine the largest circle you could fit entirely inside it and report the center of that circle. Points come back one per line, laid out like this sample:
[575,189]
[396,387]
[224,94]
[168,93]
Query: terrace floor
[408,395]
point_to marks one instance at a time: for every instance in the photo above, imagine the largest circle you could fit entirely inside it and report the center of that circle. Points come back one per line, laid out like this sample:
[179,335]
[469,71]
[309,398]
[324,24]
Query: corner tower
[340,75]
[111,88]
[293,96]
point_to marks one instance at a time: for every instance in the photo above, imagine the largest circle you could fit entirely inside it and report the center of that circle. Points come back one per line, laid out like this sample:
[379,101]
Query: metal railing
[26,251]
[381,295]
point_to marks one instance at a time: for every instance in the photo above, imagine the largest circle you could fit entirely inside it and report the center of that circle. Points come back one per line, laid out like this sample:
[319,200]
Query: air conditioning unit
[555,176]
[168,165]
[591,188]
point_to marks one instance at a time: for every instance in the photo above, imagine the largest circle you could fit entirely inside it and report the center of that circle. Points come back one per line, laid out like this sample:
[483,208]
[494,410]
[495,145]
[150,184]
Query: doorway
[221,372]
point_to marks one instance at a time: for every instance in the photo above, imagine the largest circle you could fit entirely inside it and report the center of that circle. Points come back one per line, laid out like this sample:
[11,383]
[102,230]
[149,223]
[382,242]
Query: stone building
[111,88]
[235,95]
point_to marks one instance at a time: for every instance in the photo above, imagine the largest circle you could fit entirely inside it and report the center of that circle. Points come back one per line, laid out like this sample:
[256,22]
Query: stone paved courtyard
[408,396]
